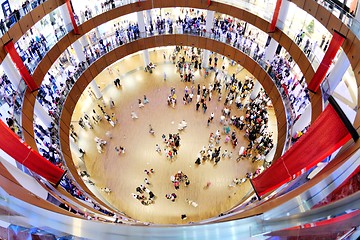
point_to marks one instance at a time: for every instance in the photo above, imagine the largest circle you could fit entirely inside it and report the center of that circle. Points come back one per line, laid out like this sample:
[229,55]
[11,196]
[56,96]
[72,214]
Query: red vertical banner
[275,16]
[22,153]
[320,74]
[324,136]
[14,55]
[209,2]
[72,18]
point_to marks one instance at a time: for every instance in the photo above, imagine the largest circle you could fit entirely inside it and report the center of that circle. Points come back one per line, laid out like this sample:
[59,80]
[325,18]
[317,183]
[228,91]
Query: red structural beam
[72,18]
[320,74]
[22,153]
[324,136]
[275,16]
[14,55]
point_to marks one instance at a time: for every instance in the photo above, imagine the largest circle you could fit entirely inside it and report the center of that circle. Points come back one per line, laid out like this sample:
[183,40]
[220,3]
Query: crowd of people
[10,104]
[178,178]
[52,92]
[144,194]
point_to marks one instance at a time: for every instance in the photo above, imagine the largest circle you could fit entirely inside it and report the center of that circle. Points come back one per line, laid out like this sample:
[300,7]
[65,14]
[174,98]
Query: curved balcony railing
[17,14]
[115,44]
[342,14]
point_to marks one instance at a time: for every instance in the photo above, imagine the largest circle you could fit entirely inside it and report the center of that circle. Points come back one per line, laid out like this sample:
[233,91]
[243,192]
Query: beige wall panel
[299,3]
[357,75]
[285,41]
[54,53]
[348,41]
[15,32]
[322,15]
[39,12]
[334,23]
[295,52]
[311,6]
[218,46]
[64,43]
[344,28]
[49,6]
[305,64]
[209,44]
[180,39]
[250,18]
[354,54]
[26,23]
[236,12]
[159,40]
[262,24]
[100,65]
[110,58]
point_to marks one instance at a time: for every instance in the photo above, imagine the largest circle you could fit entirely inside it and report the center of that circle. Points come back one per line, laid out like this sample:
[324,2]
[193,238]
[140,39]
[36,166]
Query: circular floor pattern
[123,173]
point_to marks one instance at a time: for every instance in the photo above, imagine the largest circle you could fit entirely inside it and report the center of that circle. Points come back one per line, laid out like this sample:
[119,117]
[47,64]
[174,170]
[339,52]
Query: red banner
[22,153]
[10,49]
[72,18]
[275,16]
[320,74]
[324,136]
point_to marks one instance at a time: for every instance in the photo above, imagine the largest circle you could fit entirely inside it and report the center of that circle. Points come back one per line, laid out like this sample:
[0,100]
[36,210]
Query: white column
[303,121]
[148,16]
[94,87]
[284,9]
[256,90]
[84,41]
[66,17]
[141,22]
[146,57]
[205,60]
[98,34]
[209,20]
[78,48]
[270,50]
[42,114]
[11,71]
[336,74]
[357,14]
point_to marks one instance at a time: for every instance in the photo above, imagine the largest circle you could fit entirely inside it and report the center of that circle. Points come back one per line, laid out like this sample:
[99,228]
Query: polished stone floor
[123,173]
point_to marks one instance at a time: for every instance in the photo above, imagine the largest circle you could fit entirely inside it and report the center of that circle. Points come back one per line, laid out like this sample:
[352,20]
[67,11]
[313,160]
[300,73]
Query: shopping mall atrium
[178,119]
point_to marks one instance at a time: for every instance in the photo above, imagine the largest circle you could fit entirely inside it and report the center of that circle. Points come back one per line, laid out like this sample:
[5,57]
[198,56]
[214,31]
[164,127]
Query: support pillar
[71,14]
[271,50]
[141,23]
[84,41]
[10,71]
[284,9]
[336,74]
[78,48]
[357,14]
[320,74]
[146,57]
[275,16]
[66,17]
[24,72]
[42,114]
[209,20]
[94,87]
[205,60]
[303,121]
[148,17]
[256,90]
